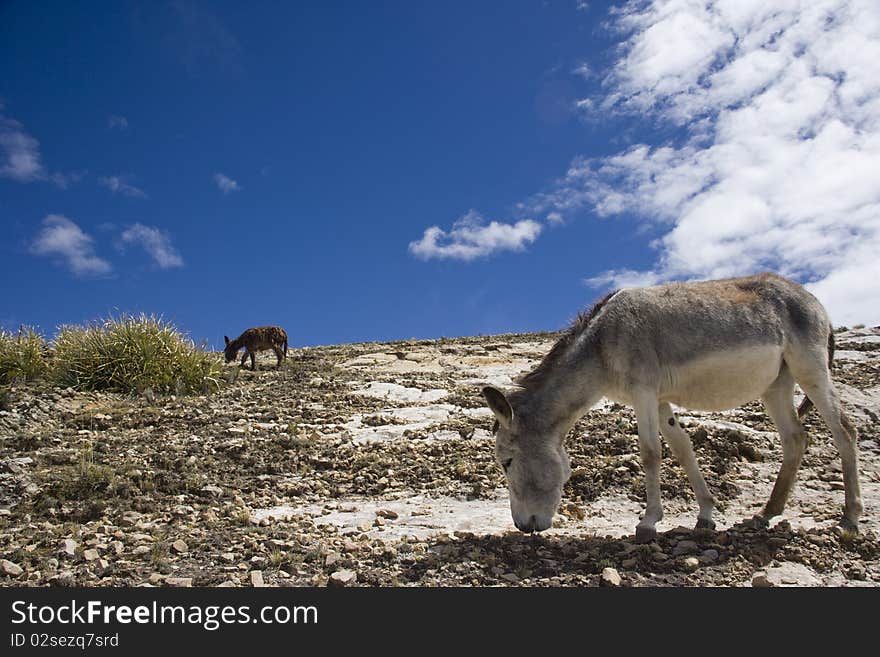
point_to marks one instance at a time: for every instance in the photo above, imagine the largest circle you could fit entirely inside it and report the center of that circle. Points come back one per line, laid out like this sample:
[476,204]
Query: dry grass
[132,354]
[22,355]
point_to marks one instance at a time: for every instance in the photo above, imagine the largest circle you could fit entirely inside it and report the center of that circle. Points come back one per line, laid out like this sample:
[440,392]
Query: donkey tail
[807,405]
[285,344]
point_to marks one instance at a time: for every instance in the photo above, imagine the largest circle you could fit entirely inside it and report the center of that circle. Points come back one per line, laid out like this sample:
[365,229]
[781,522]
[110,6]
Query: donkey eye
[506,464]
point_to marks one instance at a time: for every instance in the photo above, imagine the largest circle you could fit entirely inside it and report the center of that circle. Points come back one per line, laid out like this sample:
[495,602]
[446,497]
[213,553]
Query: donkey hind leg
[253,355]
[820,389]
[245,357]
[778,402]
[279,355]
[680,444]
[651,450]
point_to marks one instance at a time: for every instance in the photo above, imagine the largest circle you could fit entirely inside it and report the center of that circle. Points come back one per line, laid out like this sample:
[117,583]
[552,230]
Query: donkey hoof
[645,534]
[705,523]
[846,526]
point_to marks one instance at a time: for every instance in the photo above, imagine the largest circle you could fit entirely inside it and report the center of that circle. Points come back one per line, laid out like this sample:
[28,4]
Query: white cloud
[775,111]
[65,180]
[118,122]
[118,185]
[62,237]
[226,184]
[584,71]
[775,166]
[19,153]
[622,278]
[154,242]
[20,158]
[471,237]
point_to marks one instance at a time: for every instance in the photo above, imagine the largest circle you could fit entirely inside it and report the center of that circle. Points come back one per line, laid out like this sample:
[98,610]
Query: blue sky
[356,171]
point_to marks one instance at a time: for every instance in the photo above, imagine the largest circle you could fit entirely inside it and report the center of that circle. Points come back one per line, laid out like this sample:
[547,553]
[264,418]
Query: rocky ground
[372,464]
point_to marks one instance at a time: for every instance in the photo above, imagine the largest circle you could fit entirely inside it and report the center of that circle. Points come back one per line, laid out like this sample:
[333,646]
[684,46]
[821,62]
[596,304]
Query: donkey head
[534,462]
[229,352]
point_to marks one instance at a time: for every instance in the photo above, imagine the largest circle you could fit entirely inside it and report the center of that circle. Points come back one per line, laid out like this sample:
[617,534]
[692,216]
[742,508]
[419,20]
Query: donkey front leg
[651,450]
[681,447]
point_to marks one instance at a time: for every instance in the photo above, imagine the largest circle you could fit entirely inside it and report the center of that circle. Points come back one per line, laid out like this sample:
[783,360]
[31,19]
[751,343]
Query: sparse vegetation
[22,355]
[132,354]
[274,474]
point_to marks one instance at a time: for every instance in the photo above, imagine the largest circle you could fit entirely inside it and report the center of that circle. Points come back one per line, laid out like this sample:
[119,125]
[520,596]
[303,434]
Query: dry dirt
[372,464]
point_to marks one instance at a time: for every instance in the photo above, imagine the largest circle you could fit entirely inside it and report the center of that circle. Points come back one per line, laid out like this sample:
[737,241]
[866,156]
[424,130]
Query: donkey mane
[578,327]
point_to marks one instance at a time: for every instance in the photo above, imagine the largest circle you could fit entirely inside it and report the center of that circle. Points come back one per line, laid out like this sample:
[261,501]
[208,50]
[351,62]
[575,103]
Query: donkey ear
[499,406]
[226,337]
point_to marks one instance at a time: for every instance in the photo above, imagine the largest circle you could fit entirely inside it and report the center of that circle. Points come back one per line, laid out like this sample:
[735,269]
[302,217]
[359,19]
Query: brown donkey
[257,339]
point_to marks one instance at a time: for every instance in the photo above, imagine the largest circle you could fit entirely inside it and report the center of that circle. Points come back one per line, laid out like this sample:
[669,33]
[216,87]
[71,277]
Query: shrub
[22,355]
[132,354]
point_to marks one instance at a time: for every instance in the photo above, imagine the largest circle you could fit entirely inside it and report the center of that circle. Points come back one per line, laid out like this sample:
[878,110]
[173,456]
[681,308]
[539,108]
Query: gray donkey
[710,345]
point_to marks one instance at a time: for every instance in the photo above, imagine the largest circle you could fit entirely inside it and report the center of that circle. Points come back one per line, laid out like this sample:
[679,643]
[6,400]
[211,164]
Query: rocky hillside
[372,464]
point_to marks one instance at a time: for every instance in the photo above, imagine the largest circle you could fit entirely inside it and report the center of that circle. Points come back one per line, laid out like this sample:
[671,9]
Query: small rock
[342,578]
[856,571]
[68,546]
[691,563]
[629,563]
[227,584]
[510,577]
[610,577]
[66,578]
[684,547]
[9,568]
[759,580]
[90,555]
[332,558]
[179,582]
[179,546]
[709,556]
[792,574]
[387,513]
[257,579]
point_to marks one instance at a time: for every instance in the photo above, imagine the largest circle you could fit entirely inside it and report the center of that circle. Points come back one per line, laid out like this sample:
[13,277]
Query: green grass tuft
[22,355]
[132,354]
